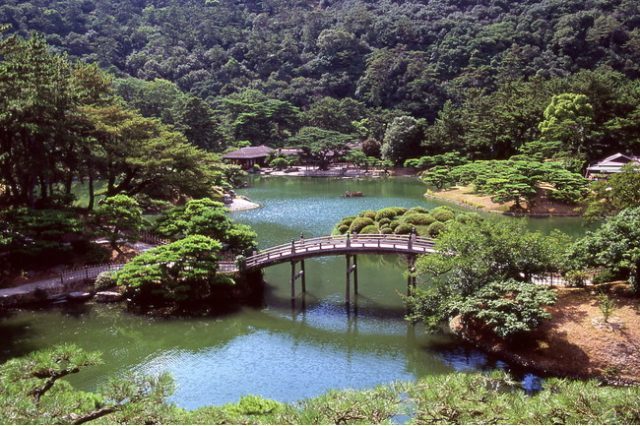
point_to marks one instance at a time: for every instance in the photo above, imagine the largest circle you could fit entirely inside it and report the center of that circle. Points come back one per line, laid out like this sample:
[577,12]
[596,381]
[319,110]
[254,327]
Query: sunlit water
[278,351]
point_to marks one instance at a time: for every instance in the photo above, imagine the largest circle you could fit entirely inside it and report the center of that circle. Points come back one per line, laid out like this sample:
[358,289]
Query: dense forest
[475,76]
[411,55]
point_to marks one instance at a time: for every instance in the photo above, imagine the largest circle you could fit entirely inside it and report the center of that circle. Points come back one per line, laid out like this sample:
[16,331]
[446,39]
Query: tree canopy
[615,245]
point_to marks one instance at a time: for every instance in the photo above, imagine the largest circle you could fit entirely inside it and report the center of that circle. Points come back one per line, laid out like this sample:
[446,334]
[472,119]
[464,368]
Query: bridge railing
[405,243]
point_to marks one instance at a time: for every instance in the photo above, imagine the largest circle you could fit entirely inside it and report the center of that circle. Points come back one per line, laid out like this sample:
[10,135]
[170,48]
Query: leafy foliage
[32,390]
[120,218]
[321,147]
[402,139]
[507,308]
[618,192]
[182,271]
[615,245]
[476,253]
[209,218]
[469,255]
[447,399]
[62,122]
[512,180]
[398,220]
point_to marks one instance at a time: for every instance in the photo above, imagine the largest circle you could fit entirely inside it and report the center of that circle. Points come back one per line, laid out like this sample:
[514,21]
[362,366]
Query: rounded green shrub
[422,231]
[104,281]
[468,217]
[417,210]
[386,231]
[384,221]
[367,213]
[418,219]
[403,229]
[347,220]
[390,213]
[359,223]
[443,214]
[369,229]
[343,229]
[394,224]
[436,228]
[252,405]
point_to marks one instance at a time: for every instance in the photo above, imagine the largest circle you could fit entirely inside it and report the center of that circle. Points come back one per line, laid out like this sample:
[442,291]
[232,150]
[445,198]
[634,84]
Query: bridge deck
[335,245]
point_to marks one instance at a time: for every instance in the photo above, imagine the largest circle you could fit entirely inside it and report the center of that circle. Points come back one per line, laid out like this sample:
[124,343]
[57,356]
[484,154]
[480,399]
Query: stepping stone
[108,296]
[78,296]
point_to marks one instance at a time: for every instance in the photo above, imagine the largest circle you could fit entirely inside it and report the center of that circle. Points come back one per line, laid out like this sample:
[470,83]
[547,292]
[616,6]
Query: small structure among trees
[610,165]
[249,156]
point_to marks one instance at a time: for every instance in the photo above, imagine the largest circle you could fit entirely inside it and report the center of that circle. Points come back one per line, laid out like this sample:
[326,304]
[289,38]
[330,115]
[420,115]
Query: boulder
[108,296]
[78,296]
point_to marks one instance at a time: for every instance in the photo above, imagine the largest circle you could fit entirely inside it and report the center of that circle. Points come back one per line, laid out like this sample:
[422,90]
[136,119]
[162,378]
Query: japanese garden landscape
[319,212]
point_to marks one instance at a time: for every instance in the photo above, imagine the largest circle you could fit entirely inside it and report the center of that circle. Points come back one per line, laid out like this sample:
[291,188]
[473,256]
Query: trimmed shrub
[468,217]
[436,228]
[252,405]
[368,213]
[369,229]
[416,210]
[105,280]
[390,213]
[342,229]
[443,214]
[347,220]
[418,219]
[386,231]
[359,223]
[279,163]
[384,221]
[403,229]
[422,231]
[394,224]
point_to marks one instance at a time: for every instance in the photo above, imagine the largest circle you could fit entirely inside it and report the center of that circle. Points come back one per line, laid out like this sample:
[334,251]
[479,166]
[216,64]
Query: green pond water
[275,350]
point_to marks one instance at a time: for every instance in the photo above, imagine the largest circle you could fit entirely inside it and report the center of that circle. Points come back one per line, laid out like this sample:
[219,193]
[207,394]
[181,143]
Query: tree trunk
[91,192]
[635,278]
[68,183]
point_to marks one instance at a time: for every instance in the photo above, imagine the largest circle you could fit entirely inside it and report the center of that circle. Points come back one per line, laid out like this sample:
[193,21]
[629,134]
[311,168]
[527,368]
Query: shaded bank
[576,342]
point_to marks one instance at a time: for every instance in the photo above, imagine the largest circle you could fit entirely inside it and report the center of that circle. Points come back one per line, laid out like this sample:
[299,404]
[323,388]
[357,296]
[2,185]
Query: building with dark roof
[249,156]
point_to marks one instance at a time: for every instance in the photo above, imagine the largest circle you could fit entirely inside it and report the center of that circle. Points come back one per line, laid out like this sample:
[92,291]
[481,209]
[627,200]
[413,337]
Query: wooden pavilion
[249,156]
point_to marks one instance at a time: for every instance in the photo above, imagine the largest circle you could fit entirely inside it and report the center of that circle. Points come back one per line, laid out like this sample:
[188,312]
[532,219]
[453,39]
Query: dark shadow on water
[14,337]
[464,357]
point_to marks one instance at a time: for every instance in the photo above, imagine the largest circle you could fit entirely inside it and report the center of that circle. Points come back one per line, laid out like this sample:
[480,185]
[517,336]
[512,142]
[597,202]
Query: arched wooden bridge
[350,245]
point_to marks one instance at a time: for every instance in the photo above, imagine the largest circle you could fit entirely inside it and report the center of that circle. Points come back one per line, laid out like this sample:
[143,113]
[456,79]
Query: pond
[277,350]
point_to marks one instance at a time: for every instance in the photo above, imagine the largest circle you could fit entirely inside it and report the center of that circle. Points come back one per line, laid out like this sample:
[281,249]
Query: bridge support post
[411,279]
[304,276]
[348,287]
[293,280]
[355,274]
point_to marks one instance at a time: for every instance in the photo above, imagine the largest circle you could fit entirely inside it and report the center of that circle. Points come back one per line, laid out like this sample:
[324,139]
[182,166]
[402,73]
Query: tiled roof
[614,163]
[249,153]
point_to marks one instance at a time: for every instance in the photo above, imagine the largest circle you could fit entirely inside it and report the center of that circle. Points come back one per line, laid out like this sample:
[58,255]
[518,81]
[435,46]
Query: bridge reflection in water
[297,251]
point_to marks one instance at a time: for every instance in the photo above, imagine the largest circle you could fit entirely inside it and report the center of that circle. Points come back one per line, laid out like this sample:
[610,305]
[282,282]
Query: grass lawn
[81,192]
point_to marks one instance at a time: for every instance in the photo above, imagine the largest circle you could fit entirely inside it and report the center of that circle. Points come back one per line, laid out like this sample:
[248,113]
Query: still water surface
[275,350]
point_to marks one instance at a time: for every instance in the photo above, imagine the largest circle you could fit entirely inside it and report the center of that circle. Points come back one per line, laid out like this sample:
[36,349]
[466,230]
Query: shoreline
[241,203]
[470,205]
[574,343]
